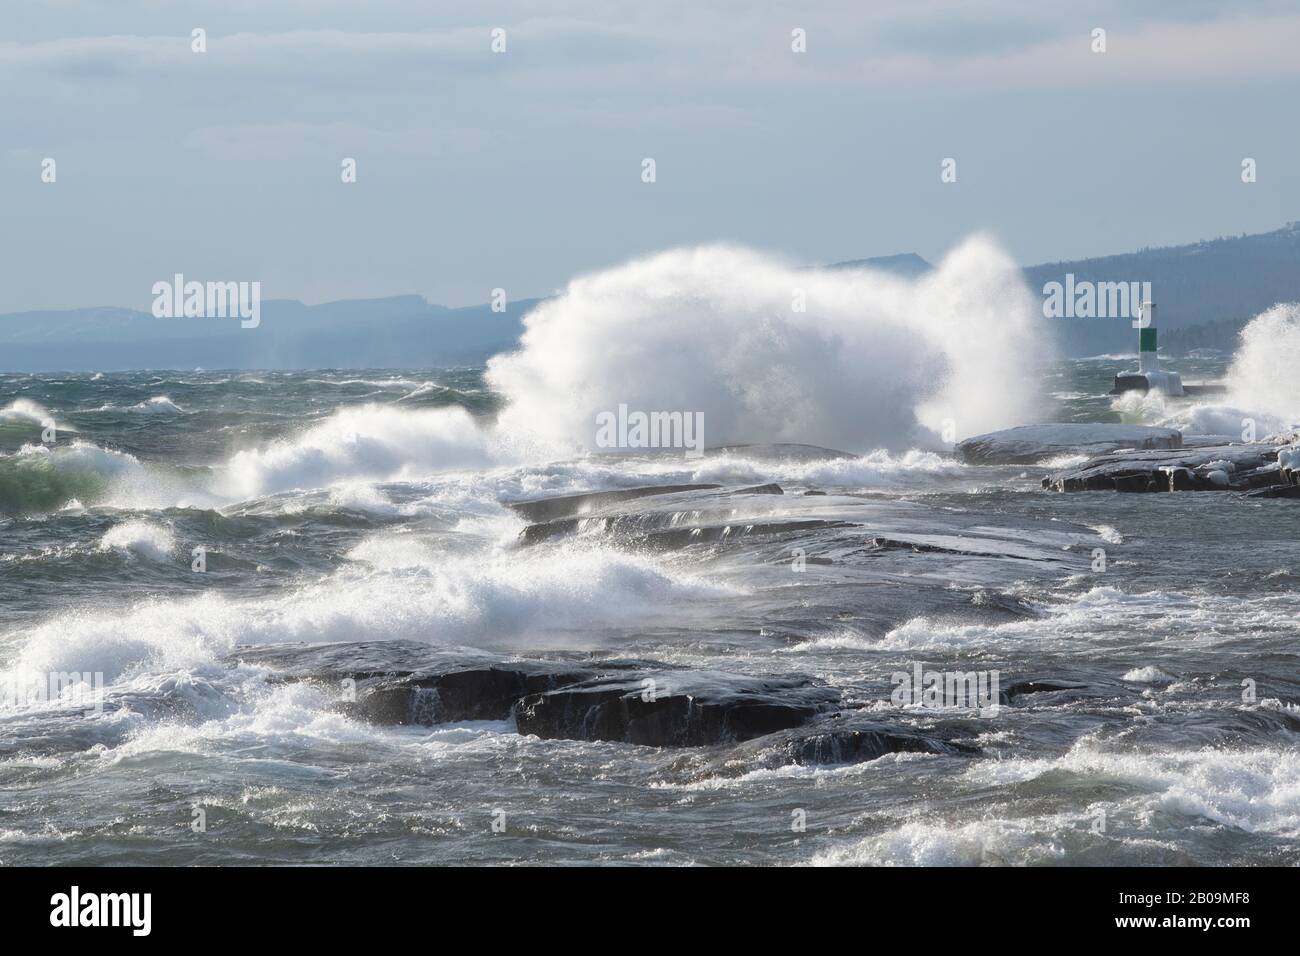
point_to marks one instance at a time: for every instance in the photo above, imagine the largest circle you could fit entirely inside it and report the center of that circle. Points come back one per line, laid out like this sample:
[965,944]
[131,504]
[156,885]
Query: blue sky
[518,170]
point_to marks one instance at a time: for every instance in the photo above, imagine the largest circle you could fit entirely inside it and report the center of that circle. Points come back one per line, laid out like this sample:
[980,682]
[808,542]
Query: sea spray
[367,442]
[767,352]
[1263,396]
[1265,373]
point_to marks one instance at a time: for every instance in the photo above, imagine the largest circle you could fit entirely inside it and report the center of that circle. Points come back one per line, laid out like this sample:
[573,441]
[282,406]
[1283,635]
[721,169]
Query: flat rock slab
[1213,468]
[1027,444]
[682,709]
[988,547]
[667,517]
[358,660]
[571,506]
[405,682]
[780,452]
[630,531]
[1276,491]
[469,693]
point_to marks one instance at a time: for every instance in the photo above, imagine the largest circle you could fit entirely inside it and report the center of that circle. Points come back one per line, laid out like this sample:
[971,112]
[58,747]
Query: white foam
[564,596]
[996,842]
[1263,386]
[425,388]
[846,640]
[1265,371]
[158,405]
[371,382]
[392,550]
[144,538]
[25,410]
[1089,619]
[1147,675]
[1256,790]
[878,469]
[775,775]
[369,442]
[1107,533]
[875,360]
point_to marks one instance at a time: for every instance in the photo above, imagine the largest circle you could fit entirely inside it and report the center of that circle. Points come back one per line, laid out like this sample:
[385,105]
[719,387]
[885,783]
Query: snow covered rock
[1026,444]
[1216,468]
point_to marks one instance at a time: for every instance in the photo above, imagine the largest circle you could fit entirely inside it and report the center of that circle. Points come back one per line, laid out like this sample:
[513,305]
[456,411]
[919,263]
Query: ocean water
[341,507]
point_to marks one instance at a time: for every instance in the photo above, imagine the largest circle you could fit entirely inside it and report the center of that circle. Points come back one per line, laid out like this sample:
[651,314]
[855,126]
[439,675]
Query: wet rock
[359,660]
[684,709]
[1276,491]
[894,544]
[568,506]
[1005,550]
[1011,692]
[661,532]
[682,515]
[768,489]
[837,739]
[405,682]
[1027,444]
[1207,468]
[1288,458]
[676,538]
[855,741]
[485,693]
[634,701]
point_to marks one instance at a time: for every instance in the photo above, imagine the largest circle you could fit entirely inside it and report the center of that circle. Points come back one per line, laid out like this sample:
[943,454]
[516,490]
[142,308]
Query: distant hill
[1221,335]
[1218,281]
[1206,291]
[396,332]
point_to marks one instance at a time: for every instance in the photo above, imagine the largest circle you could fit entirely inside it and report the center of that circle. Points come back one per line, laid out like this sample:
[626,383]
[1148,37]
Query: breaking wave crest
[500,598]
[44,478]
[372,442]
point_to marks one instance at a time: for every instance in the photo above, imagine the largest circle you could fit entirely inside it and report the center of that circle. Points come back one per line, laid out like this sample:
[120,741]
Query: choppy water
[372,506]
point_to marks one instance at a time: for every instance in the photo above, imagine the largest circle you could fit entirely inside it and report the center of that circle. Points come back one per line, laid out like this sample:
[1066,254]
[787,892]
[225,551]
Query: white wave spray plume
[875,361]
[1263,396]
[1265,372]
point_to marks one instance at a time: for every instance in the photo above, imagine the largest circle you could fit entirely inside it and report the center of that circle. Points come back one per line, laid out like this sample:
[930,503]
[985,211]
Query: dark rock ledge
[573,506]
[680,709]
[853,738]
[628,701]
[755,721]
[657,526]
[1246,467]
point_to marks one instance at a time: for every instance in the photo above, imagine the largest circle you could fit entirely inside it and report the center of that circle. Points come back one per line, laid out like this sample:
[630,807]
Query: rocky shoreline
[1137,458]
[646,703]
